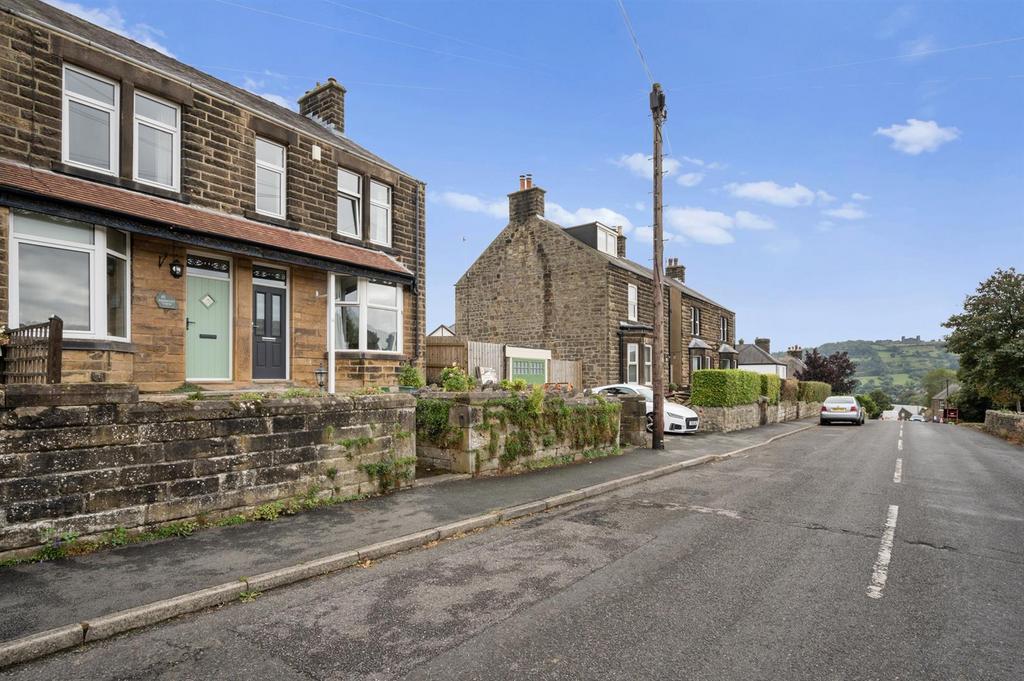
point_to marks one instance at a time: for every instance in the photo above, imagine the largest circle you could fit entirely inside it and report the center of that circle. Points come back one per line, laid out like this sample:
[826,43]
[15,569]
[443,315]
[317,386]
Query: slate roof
[636,268]
[178,216]
[793,365]
[751,354]
[53,17]
[698,344]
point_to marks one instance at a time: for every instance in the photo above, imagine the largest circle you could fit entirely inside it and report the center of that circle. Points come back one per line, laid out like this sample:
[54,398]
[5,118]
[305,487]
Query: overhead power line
[636,42]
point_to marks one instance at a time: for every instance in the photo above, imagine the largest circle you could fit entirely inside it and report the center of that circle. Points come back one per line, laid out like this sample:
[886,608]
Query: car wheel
[822,422]
[650,422]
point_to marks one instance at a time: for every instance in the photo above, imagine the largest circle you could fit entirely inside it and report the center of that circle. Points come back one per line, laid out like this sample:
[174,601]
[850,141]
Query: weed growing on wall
[432,423]
[390,472]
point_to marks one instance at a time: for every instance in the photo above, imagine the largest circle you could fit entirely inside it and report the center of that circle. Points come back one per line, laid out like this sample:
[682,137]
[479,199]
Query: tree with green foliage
[989,337]
[836,369]
[881,400]
[870,407]
[935,381]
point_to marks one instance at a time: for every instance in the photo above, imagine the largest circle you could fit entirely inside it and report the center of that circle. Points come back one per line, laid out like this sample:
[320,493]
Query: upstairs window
[380,213]
[74,270]
[270,178]
[695,323]
[89,125]
[607,241]
[350,203]
[631,303]
[724,336]
[157,141]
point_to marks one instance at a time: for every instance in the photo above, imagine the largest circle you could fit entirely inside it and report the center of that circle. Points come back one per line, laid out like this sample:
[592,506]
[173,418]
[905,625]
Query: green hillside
[895,366]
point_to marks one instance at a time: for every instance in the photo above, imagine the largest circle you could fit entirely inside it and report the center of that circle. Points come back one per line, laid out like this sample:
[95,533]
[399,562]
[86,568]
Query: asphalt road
[777,565]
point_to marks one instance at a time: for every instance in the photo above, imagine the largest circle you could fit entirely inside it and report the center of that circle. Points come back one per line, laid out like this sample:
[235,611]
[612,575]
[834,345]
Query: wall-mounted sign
[166,301]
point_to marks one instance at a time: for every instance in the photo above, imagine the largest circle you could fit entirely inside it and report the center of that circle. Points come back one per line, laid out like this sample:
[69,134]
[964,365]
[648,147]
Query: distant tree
[881,400]
[836,369]
[869,406]
[934,382]
[970,404]
[989,337]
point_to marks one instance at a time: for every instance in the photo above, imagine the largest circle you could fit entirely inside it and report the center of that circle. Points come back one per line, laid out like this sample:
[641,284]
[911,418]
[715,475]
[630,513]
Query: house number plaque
[166,302]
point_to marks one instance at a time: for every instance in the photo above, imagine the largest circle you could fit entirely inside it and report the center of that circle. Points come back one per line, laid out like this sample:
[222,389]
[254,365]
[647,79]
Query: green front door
[208,321]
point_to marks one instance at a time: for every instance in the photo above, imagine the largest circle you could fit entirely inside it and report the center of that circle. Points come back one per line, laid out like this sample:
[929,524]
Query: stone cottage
[186,230]
[572,290]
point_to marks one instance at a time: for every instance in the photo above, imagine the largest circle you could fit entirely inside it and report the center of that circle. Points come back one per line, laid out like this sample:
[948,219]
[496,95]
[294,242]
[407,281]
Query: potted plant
[409,379]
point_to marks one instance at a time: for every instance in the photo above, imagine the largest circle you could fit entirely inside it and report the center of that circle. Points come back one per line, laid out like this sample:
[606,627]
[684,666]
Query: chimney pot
[527,202]
[325,103]
[675,270]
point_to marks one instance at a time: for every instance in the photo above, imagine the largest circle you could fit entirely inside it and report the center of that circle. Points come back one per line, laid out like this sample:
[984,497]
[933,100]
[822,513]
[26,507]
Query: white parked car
[678,419]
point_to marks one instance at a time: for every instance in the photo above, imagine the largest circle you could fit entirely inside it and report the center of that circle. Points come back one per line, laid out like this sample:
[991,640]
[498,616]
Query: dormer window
[607,241]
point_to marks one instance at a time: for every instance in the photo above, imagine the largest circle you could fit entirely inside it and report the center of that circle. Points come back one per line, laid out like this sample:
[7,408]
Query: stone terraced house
[186,230]
[573,291]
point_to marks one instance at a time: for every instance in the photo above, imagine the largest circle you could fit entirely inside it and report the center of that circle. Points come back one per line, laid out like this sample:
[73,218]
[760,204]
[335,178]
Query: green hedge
[814,391]
[790,390]
[771,386]
[724,387]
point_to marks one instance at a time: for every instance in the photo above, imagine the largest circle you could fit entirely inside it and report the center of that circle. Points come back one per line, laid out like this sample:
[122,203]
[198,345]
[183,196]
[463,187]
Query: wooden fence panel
[33,353]
[485,355]
[443,351]
[566,371]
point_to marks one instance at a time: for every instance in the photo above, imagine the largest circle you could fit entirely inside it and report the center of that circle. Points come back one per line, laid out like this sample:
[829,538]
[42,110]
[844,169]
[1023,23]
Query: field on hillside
[895,366]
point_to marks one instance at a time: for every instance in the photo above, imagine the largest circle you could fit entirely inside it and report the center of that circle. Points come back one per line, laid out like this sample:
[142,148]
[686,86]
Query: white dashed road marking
[881,571]
[898,475]
[899,445]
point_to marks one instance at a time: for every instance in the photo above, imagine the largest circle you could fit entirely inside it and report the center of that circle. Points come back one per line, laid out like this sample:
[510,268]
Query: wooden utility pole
[658,113]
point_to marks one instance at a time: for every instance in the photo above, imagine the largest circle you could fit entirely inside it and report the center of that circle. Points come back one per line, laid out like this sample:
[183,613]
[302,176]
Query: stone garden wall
[88,469]
[741,417]
[1005,424]
[502,432]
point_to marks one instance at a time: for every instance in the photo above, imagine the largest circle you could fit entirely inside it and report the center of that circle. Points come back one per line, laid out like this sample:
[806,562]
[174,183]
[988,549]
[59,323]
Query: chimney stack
[764,343]
[325,104]
[675,270]
[620,242]
[795,351]
[526,203]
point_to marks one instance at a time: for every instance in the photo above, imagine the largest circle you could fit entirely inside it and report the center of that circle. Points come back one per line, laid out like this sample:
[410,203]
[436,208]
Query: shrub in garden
[790,390]
[724,387]
[410,377]
[455,380]
[771,386]
[869,405]
[814,391]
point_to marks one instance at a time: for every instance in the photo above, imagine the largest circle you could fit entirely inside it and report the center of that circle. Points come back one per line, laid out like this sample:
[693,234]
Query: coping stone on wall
[67,394]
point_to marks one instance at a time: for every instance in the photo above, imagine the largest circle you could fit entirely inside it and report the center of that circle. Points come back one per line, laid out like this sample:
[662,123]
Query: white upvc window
[648,364]
[89,121]
[350,203]
[607,241]
[271,175]
[367,315]
[697,362]
[725,329]
[632,363]
[695,322]
[157,146]
[74,270]
[380,213]
[631,303]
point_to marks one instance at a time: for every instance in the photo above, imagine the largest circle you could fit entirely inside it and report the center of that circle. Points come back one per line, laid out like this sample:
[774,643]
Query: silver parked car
[842,409]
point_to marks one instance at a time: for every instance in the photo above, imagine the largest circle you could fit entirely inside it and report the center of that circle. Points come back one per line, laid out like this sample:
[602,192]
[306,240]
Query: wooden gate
[33,353]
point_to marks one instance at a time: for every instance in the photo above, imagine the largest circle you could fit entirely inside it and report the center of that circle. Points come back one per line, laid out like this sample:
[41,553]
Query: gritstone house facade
[573,291]
[186,230]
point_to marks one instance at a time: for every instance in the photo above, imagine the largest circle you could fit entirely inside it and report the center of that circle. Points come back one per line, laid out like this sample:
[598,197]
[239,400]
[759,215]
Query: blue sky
[838,170]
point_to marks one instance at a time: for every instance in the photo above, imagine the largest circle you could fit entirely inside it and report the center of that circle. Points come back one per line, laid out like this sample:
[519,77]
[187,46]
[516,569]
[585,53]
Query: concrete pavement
[757,567]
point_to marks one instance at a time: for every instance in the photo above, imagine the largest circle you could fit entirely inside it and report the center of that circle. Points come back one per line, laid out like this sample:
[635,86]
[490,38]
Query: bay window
[367,315]
[76,271]
[632,363]
[157,141]
[380,213]
[270,178]
[89,122]
[350,204]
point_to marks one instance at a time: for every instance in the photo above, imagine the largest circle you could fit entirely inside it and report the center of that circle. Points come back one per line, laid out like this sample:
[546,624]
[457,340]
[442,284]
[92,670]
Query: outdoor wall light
[177,269]
[321,375]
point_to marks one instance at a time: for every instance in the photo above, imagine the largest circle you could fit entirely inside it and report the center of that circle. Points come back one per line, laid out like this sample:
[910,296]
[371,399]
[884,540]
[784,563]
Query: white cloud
[255,87]
[857,196]
[690,179]
[747,220]
[824,196]
[112,20]
[918,136]
[580,216]
[642,165]
[639,205]
[847,211]
[770,192]
[896,21]
[915,49]
[825,226]
[701,225]
[473,204]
